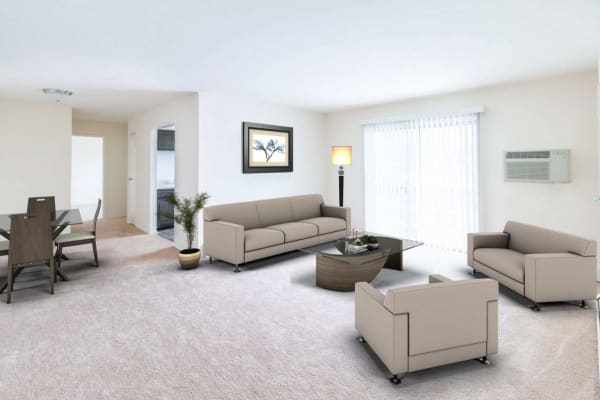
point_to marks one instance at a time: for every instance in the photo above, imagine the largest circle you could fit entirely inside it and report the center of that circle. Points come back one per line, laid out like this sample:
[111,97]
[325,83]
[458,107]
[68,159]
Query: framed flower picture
[267,148]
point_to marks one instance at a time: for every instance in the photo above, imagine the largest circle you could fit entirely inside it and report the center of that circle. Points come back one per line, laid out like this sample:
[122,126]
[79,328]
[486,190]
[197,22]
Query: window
[421,179]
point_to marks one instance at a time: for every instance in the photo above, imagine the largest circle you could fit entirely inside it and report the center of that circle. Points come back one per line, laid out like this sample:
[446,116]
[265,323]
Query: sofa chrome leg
[535,307]
[210,259]
[583,304]
[484,360]
[362,339]
[474,272]
[396,380]
[236,269]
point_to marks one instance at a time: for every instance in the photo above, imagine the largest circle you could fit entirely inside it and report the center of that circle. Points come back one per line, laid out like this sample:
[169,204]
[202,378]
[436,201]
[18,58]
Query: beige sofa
[538,263]
[418,327]
[242,232]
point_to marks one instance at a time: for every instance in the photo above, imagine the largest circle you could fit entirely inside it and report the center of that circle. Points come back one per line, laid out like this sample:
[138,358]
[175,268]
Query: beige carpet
[139,328]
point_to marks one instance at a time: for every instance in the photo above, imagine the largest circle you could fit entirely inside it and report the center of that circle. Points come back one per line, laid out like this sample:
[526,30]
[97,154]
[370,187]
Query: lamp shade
[341,155]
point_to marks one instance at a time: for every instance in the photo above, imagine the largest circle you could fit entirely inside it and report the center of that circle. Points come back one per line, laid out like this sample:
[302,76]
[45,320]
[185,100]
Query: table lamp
[341,155]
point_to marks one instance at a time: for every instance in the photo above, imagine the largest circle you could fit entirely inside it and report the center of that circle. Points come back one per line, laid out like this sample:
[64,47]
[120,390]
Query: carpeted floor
[140,328]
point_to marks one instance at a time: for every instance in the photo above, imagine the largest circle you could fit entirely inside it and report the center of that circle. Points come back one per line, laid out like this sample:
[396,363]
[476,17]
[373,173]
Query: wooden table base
[342,272]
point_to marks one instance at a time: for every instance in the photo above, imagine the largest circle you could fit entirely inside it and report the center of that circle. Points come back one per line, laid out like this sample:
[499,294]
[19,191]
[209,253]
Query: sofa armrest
[338,212]
[224,240]
[559,277]
[436,278]
[370,292]
[386,333]
[494,240]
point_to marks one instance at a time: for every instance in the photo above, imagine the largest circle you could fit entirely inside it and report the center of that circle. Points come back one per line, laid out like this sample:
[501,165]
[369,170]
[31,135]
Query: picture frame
[267,148]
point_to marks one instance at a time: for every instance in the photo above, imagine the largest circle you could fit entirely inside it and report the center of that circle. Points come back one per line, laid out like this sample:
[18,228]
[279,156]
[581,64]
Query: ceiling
[119,57]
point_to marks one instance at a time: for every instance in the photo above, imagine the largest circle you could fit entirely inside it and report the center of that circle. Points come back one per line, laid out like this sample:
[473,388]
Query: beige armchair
[418,327]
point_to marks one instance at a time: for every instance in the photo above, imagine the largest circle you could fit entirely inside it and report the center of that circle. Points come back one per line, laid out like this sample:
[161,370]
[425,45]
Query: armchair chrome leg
[474,272]
[535,307]
[362,339]
[396,379]
[210,259]
[583,304]
[236,268]
[484,360]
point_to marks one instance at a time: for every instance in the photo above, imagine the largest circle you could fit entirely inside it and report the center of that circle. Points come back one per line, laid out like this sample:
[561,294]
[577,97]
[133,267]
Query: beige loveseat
[417,327]
[538,263]
[242,232]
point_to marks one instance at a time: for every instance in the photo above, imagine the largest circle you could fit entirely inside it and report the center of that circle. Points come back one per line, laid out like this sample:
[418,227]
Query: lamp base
[341,188]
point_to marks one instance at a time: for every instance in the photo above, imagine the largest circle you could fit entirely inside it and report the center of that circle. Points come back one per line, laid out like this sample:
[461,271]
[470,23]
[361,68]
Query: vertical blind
[421,179]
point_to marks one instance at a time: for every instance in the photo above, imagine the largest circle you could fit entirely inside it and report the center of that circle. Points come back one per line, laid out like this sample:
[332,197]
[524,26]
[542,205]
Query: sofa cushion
[327,224]
[296,230]
[274,211]
[508,262]
[307,206]
[260,238]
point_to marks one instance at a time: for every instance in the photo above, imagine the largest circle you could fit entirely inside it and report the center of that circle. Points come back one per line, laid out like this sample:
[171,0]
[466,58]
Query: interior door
[131,182]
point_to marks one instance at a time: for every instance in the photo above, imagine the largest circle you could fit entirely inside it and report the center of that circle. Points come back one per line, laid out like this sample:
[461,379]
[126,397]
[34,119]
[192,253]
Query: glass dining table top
[63,218]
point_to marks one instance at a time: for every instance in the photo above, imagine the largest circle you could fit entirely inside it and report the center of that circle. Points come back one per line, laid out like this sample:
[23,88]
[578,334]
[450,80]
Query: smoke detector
[57,94]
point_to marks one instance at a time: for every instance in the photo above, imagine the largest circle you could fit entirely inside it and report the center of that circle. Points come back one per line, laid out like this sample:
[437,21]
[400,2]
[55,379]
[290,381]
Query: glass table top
[340,247]
[63,218]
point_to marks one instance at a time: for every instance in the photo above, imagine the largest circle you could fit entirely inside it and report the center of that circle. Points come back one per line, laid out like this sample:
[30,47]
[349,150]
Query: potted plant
[186,210]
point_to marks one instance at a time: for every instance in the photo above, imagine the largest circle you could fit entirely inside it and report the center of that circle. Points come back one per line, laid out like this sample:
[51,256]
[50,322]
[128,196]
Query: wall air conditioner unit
[546,166]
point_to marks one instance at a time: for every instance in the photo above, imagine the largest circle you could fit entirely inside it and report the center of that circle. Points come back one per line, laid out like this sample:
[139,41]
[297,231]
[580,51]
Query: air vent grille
[537,166]
[528,171]
[520,155]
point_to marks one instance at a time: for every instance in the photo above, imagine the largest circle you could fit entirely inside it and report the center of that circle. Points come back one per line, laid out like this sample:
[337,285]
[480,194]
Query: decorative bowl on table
[362,244]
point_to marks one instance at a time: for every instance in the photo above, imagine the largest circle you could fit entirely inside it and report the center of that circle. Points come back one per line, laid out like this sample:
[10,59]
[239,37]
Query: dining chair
[30,245]
[79,238]
[45,204]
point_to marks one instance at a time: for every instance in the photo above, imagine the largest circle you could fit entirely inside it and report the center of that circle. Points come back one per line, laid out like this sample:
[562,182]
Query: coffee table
[338,268]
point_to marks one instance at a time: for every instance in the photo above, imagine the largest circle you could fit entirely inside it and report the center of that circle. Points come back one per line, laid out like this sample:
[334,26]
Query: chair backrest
[30,239]
[96,215]
[444,315]
[528,239]
[38,205]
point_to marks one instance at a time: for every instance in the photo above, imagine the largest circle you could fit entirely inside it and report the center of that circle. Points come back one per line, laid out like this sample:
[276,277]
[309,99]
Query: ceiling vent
[549,166]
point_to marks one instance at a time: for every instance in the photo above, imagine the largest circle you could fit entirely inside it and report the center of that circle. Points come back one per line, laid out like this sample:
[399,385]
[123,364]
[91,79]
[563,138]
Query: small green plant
[368,239]
[186,210]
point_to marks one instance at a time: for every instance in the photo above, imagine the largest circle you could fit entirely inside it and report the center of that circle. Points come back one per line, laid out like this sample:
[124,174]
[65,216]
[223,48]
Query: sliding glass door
[421,179]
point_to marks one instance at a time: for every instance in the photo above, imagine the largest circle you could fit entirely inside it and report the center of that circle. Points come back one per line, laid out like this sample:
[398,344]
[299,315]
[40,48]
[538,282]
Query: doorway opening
[87,174]
[165,180]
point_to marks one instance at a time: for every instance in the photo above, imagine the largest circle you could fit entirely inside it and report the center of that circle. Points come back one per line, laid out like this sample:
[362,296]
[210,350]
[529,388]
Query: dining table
[64,219]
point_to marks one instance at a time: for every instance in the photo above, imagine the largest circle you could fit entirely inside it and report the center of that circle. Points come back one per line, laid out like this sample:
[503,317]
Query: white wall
[114,135]
[558,112]
[86,174]
[35,151]
[221,116]
[183,113]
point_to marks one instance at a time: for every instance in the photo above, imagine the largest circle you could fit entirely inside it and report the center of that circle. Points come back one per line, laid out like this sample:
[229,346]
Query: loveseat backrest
[529,239]
[261,213]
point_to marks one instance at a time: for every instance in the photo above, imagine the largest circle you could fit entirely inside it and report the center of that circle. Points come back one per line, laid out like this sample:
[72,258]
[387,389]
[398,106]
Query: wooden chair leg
[10,284]
[95,252]
[58,256]
[58,261]
[52,274]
